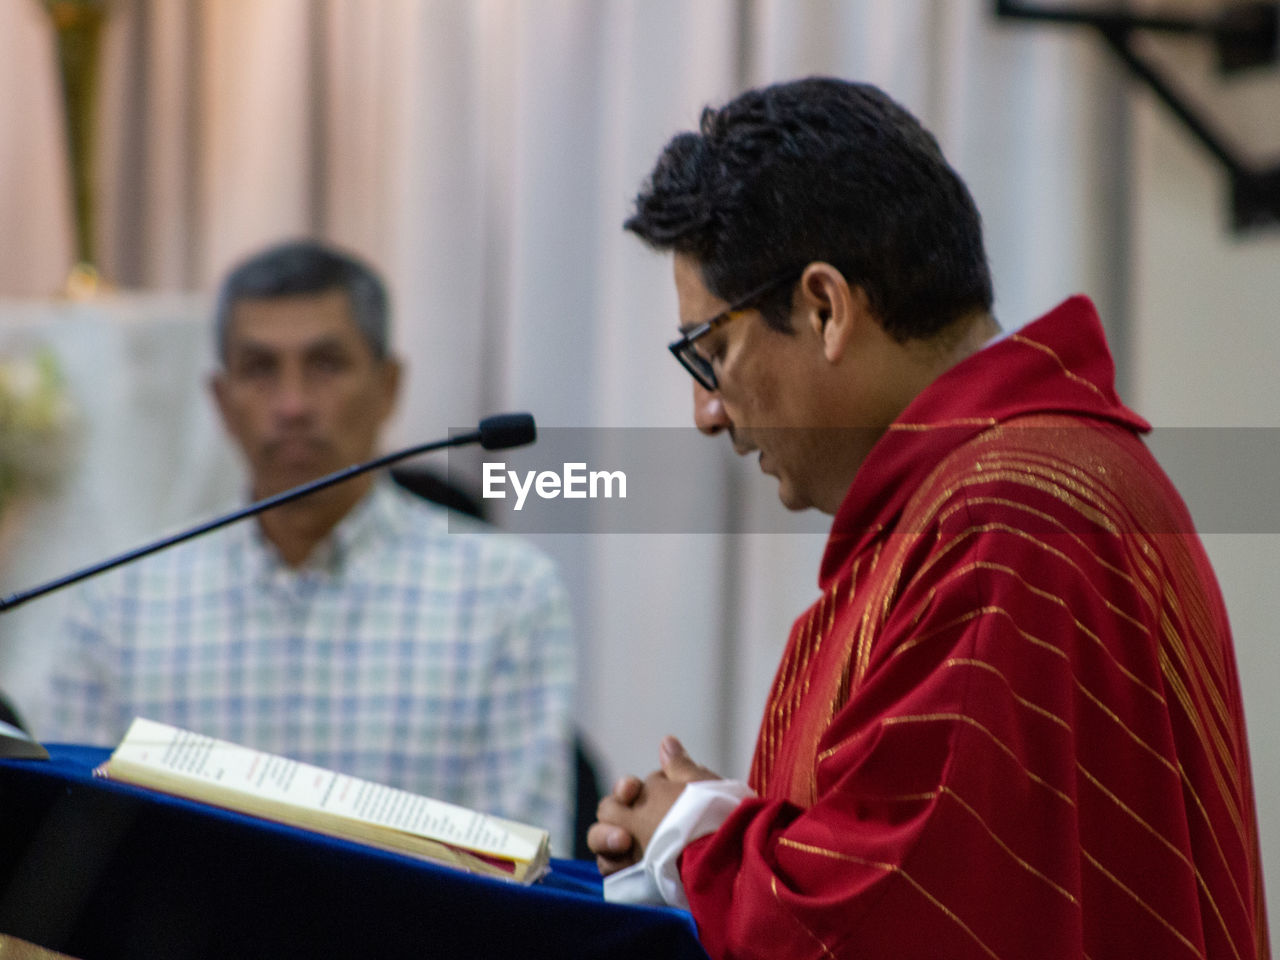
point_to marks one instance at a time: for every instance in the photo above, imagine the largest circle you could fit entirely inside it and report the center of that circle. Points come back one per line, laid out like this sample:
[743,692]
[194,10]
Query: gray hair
[303,267]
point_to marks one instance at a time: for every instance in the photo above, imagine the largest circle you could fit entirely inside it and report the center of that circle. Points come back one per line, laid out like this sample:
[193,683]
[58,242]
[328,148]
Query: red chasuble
[1011,726]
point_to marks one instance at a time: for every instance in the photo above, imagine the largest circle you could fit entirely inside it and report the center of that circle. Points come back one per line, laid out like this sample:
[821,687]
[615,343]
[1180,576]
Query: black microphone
[504,430]
[498,432]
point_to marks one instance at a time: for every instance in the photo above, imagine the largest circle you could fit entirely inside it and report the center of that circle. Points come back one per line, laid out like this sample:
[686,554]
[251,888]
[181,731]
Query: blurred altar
[142,453]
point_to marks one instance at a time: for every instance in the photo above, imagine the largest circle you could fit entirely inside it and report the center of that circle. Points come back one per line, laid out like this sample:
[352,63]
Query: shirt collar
[376,515]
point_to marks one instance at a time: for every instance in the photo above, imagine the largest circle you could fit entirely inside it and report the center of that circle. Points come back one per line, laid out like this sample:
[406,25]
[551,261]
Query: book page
[183,755]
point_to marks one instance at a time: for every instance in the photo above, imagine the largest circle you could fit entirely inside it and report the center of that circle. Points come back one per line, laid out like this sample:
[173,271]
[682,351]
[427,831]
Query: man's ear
[392,374]
[218,390]
[836,312]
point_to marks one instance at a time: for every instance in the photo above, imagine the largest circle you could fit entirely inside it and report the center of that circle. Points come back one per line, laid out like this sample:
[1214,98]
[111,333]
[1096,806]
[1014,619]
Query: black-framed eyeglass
[698,365]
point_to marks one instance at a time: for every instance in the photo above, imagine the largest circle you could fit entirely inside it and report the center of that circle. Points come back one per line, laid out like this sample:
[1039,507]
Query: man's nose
[292,396]
[708,410]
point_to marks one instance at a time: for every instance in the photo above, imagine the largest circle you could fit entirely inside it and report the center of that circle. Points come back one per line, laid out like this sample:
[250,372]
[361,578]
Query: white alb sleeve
[700,809]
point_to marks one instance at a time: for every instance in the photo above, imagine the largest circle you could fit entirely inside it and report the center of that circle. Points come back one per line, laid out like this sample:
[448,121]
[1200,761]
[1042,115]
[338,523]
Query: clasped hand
[627,818]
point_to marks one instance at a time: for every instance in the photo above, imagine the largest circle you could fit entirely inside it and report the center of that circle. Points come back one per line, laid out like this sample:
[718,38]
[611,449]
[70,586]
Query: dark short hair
[820,169]
[304,267]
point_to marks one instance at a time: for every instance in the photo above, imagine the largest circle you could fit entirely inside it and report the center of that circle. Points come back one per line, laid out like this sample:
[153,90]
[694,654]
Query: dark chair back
[10,716]
[588,797]
[429,485]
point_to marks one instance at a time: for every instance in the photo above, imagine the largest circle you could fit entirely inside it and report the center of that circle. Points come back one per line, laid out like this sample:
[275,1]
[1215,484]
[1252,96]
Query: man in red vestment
[1011,726]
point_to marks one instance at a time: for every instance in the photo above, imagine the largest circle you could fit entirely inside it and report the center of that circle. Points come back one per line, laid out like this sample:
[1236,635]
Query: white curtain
[483,153]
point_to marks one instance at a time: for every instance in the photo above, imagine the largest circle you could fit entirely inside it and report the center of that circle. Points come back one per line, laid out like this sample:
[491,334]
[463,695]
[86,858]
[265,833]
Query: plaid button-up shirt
[412,649]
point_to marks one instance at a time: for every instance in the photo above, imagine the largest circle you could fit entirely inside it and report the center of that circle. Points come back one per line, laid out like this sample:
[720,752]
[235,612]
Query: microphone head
[504,430]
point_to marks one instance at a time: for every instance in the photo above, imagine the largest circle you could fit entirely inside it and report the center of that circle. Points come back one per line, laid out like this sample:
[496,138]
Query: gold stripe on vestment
[1217,841]
[1023,701]
[1173,848]
[1188,709]
[1053,551]
[1140,902]
[1097,486]
[1115,718]
[1140,586]
[965,718]
[892,868]
[1046,349]
[1209,693]
[944,424]
[1006,848]
[1134,678]
[1197,615]
[793,682]
[885,588]
[1051,485]
[973,615]
[773,887]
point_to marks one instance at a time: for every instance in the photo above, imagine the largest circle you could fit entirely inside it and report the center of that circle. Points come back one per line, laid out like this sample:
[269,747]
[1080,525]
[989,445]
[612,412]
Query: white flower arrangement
[38,424]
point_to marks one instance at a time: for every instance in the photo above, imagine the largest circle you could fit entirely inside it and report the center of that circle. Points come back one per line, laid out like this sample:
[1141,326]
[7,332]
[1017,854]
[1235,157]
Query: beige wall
[1205,353]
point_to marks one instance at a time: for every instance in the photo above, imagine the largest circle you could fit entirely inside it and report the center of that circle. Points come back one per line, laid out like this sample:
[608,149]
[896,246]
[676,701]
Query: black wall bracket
[1244,35]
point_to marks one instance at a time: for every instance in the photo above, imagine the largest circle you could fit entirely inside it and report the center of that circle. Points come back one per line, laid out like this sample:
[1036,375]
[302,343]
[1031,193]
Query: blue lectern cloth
[102,870]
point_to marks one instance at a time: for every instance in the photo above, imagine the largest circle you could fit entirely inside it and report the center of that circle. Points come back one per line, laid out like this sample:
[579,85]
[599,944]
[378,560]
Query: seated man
[1011,724]
[359,628]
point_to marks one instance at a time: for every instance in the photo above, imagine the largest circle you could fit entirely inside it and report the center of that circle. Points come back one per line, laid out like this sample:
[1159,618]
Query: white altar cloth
[150,455]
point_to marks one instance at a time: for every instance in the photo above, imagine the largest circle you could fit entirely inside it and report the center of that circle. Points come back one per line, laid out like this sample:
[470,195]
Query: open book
[239,778]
